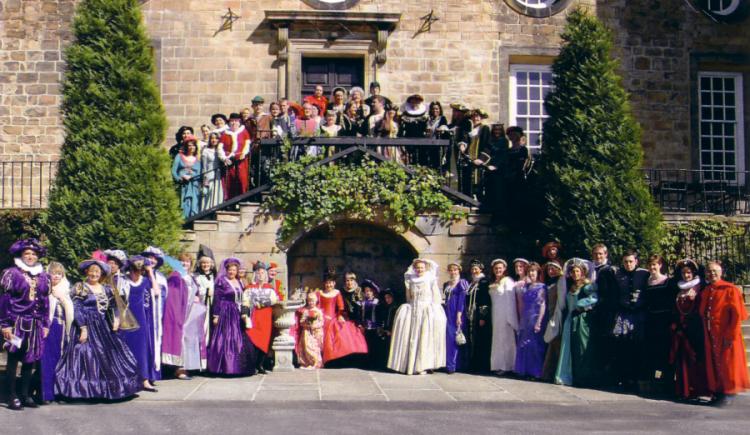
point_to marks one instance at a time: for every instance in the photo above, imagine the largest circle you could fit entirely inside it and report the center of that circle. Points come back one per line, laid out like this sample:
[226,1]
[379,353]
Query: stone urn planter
[283,344]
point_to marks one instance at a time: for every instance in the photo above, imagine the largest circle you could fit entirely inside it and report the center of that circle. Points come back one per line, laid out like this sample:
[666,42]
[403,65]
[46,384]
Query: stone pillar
[282,63]
[283,344]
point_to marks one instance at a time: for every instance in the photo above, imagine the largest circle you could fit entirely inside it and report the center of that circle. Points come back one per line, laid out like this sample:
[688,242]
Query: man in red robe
[722,311]
[318,100]
[233,153]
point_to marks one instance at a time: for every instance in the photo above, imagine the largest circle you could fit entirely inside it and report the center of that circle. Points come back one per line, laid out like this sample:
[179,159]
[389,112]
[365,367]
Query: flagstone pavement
[360,385]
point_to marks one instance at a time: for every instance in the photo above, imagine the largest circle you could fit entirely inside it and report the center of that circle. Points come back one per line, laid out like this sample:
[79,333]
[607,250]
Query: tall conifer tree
[594,189]
[113,187]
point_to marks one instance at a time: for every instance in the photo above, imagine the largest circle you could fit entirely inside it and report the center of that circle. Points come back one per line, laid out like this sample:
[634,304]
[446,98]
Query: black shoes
[29,403]
[15,404]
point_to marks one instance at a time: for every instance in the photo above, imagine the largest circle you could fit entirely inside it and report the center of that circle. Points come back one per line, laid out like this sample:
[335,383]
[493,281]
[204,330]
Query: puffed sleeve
[78,309]
[42,306]
[590,297]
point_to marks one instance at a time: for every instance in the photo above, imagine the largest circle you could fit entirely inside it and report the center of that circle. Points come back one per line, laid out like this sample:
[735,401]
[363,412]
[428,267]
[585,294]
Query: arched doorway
[368,250]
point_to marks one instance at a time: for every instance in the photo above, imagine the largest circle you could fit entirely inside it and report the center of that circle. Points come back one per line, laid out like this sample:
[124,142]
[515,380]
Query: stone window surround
[739,145]
[715,62]
[290,49]
[531,55]
[512,102]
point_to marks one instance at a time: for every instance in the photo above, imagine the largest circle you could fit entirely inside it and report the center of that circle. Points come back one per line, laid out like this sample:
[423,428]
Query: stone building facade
[479,52]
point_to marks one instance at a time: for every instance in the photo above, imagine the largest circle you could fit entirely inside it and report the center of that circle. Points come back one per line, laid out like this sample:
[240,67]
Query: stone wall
[32,35]
[368,249]
[661,46]
[465,57]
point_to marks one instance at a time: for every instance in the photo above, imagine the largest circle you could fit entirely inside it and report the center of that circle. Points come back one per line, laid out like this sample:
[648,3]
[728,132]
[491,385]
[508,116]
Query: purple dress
[141,340]
[52,351]
[103,367]
[455,302]
[531,347]
[229,348]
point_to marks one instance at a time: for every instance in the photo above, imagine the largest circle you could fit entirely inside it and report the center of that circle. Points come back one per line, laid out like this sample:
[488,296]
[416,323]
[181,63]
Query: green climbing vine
[308,196]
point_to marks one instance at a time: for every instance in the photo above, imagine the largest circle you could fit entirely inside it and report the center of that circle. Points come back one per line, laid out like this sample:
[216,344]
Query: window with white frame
[529,85]
[722,147]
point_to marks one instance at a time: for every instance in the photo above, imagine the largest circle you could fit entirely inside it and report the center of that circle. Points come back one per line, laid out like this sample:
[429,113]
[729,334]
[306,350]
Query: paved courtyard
[352,401]
[360,385]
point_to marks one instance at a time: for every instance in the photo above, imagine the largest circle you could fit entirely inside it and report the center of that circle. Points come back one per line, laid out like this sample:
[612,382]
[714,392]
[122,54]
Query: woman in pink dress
[341,336]
[310,336]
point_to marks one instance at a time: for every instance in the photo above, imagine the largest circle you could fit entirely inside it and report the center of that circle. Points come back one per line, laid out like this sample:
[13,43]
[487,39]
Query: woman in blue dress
[454,296]
[61,319]
[186,170]
[137,290]
[96,363]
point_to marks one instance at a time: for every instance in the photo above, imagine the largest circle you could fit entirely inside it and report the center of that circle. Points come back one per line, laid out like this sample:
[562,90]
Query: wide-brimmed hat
[84,266]
[370,283]
[258,100]
[549,245]
[17,248]
[481,113]
[117,254]
[687,262]
[134,260]
[153,251]
[460,107]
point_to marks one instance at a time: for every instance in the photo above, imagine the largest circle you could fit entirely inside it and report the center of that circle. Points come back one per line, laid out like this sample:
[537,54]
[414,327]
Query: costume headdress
[17,248]
[84,266]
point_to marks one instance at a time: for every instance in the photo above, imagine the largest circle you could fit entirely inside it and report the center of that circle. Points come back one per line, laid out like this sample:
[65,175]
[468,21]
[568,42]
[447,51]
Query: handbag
[460,338]
[126,317]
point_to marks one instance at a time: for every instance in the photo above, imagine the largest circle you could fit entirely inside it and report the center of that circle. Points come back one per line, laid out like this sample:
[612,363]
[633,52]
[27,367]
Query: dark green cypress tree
[594,189]
[113,187]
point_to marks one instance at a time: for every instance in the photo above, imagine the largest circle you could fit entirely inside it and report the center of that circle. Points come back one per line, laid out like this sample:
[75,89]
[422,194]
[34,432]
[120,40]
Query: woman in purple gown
[532,303]
[454,297]
[24,317]
[96,363]
[61,319]
[137,289]
[230,351]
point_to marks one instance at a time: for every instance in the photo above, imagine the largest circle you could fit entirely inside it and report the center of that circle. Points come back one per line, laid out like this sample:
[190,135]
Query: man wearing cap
[233,153]
[24,317]
[317,99]
[375,92]
[260,126]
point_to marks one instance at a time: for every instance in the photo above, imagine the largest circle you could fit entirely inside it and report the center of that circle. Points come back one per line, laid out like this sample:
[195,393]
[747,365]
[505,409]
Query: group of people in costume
[576,322]
[227,158]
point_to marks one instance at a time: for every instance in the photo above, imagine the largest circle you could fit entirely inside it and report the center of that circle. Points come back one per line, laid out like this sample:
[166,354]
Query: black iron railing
[428,152]
[700,191]
[25,185]
[733,251]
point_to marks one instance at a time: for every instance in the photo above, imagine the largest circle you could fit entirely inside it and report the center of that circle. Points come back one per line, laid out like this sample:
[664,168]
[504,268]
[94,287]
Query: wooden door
[331,73]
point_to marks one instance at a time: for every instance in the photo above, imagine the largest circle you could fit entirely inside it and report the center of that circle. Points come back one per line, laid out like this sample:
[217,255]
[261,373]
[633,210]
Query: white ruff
[31,270]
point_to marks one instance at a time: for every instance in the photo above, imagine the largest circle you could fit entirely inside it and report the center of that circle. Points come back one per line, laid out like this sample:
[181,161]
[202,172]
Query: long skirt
[50,357]
[230,351]
[418,340]
[101,368]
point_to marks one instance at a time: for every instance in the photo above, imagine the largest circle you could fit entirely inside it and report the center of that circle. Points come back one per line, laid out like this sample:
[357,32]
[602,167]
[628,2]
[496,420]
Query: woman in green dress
[577,365]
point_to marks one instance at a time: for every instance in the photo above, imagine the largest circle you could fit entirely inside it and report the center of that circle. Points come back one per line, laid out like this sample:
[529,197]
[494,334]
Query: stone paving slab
[354,385]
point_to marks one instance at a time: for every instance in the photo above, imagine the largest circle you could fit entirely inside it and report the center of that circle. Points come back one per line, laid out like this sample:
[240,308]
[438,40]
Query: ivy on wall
[309,195]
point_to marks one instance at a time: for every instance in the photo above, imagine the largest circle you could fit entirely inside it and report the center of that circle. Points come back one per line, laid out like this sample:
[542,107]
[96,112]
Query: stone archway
[368,250]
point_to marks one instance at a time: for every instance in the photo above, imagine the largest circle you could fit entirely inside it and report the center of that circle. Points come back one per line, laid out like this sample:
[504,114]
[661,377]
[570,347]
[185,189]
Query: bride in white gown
[418,340]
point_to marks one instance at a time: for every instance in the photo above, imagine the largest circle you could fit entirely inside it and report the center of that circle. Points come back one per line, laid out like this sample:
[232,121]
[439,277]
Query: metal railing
[732,250]
[25,185]
[429,152]
[700,190]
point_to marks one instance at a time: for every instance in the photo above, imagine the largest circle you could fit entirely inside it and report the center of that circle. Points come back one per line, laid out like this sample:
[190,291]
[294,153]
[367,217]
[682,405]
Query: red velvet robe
[236,177]
[722,311]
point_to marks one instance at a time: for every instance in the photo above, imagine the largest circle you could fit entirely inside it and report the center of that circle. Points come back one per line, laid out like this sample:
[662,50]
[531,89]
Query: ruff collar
[689,284]
[31,270]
